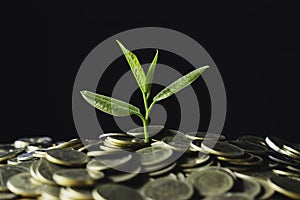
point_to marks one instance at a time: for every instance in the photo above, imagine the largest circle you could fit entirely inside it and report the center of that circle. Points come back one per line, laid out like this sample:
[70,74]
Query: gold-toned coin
[256,160]
[76,193]
[75,177]
[178,142]
[286,186]
[211,181]
[266,188]
[248,186]
[111,161]
[67,157]
[50,192]
[152,131]
[163,170]
[73,143]
[119,176]
[44,171]
[250,147]
[7,195]
[164,188]
[6,172]
[221,148]
[230,196]
[115,192]
[245,157]
[189,162]
[204,136]
[154,155]
[10,154]
[23,184]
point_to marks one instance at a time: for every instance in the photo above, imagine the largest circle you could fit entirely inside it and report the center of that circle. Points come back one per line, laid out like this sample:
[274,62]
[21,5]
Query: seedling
[120,108]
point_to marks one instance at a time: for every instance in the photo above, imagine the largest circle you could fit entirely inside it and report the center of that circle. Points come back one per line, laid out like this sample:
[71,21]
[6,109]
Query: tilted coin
[50,192]
[67,157]
[250,147]
[256,160]
[178,142]
[221,148]
[111,161]
[253,139]
[119,176]
[76,193]
[204,136]
[286,186]
[110,191]
[230,196]
[248,186]
[10,154]
[212,181]
[23,184]
[193,161]
[75,177]
[44,171]
[245,157]
[139,132]
[267,190]
[282,147]
[163,170]
[7,195]
[154,154]
[6,172]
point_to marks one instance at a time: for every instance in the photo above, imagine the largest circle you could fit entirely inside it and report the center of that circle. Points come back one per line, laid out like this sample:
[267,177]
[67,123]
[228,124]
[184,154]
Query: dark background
[255,45]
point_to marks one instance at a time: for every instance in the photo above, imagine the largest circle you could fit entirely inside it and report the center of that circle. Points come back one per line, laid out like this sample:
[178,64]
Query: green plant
[120,108]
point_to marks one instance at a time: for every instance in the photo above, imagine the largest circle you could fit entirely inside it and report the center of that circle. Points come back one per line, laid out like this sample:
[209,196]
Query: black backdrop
[255,45]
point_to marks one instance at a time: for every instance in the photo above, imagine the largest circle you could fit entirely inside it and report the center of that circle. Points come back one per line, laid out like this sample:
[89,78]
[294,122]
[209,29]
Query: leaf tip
[83,92]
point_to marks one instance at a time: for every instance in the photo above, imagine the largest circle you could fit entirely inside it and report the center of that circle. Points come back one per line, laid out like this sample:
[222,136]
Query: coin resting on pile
[173,165]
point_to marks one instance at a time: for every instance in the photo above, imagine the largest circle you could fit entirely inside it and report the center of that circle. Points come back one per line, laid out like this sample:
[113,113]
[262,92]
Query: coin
[250,147]
[75,177]
[111,191]
[67,157]
[211,181]
[154,155]
[7,195]
[160,189]
[230,196]
[111,161]
[204,136]
[178,142]
[23,184]
[76,193]
[221,148]
[286,186]
[44,171]
[5,173]
[50,192]
[152,131]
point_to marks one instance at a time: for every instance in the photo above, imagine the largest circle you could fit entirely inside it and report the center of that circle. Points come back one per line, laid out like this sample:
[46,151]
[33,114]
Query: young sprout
[120,108]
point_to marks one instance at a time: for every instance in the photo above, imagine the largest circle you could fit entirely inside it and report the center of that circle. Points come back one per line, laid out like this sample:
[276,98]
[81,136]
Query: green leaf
[110,105]
[179,84]
[135,66]
[150,74]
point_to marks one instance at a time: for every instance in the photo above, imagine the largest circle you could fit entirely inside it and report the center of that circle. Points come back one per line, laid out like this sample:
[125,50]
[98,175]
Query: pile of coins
[174,165]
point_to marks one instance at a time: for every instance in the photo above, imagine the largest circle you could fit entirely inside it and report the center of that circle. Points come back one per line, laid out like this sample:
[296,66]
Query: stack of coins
[174,165]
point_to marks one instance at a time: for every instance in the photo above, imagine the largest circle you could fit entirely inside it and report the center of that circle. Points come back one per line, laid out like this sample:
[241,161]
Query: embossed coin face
[50,192]
[23,184]
[178,142]
[67,157]
[115,192]
[221,148]
[153,155]
[75,177]
[211,181]
[286,186]
[161,189]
